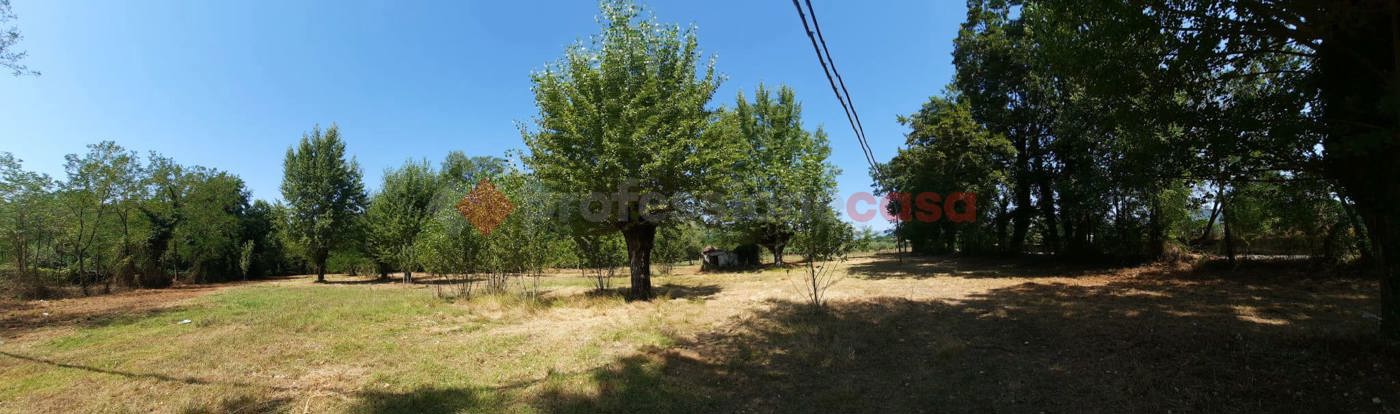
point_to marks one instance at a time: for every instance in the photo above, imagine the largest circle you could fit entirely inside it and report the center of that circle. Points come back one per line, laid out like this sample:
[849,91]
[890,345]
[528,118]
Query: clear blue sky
[231,84]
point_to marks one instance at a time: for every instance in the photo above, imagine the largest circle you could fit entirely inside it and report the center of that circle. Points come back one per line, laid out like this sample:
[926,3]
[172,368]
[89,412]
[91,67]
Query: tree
[396,215]
[9,37]
[780,159]
[996,77]
[245,258]
[677,242]
[462,171]
[947,152]
[211,229]
[130,180]
[626,115]
[822,239]
[599,255]
[25,213]
[259,223]
[163,211]
[449,245]
[324,192]
[528,241]
[93,183]
[1334,60]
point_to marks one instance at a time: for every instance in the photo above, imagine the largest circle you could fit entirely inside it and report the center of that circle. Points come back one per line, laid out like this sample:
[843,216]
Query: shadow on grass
[666,291]
[649,383]
[140,375]
[1155,343]
[362,281]
[422,400]
[892,266]
[243,404]
[1129,346]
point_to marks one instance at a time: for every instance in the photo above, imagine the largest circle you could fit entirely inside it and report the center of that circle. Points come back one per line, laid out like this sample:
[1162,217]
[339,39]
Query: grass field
[919,335]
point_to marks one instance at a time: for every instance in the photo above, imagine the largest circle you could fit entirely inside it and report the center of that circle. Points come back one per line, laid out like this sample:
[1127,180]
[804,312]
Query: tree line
[118,217]
[630,112]
[1138,130]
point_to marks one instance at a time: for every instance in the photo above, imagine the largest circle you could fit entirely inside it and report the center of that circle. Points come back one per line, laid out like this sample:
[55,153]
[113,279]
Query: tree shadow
[363,281]
[141,375]
[648,383]
[666,291]
[421,400]
[1136,345]
[675,291]
[243,404]
[890,266]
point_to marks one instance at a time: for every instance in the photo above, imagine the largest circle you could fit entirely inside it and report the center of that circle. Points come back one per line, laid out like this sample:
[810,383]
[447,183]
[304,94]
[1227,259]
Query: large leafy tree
[93,185]
[628,112]
[996,75]
[163,210]
[780,161]
[211,224]
[397,214]
[1349,51]
[1329,61]
[324,192]
[947,152]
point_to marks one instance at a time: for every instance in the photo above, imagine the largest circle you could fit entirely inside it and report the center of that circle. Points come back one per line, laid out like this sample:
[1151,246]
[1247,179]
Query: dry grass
[934,335]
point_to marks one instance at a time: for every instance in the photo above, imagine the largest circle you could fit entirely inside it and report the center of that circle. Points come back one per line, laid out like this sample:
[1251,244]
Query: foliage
[397,214]
[9,37]
[627,112]
[677,242]
[323,192]
[245,258]
[823,240]
[948,152]
[210,226]
[778,159]
[599,255]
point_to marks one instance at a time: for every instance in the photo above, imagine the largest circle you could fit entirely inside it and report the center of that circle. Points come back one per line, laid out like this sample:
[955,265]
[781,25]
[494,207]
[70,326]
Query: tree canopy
[324,192]
[627,113]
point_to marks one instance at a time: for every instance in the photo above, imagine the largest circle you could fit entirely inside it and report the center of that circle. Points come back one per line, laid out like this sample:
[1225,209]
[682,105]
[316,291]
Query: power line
[823,57]
[849,101]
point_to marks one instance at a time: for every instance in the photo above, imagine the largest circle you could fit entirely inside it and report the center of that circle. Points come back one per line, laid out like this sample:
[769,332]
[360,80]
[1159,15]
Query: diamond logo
[485,207]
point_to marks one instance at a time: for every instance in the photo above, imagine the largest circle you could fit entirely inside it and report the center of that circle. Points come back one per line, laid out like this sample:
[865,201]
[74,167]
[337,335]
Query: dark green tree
[779,159]
[627,113]
[397,214]
[324,192]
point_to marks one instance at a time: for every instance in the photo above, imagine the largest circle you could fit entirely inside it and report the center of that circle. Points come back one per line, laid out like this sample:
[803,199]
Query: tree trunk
[1047,208]
[777,250]
[1384,229]
[1021,216]
[321,256]
[1003,220]
[1214,213]
[1363,237]
[1229,239]
[640,238]
[1156,235]
[1358,63]
[82,274]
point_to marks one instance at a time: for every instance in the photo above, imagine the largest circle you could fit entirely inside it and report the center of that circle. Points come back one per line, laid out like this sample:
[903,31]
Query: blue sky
[232,84]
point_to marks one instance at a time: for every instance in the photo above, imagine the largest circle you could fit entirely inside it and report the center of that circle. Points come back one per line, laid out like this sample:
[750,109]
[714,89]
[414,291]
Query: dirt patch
[17,318]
